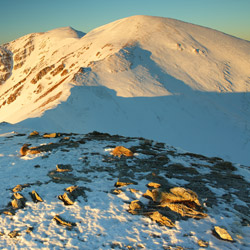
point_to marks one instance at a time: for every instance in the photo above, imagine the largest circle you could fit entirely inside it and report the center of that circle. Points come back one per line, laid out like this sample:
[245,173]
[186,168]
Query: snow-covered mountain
[153,77]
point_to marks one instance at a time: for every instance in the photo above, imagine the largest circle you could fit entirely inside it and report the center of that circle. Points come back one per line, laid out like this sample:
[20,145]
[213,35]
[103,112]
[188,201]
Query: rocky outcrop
[5,64]
[120,150]
[41,74]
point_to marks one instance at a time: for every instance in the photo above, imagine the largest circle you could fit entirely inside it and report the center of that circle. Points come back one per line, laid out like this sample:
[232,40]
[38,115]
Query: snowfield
[99,215]
[183,87]
[158,78]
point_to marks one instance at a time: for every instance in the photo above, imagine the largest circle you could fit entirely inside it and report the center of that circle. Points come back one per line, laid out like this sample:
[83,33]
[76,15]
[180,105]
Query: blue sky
[21,17]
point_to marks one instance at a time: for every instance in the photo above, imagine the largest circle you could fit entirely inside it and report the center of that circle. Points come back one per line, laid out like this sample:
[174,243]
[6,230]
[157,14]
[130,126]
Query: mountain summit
[146,76]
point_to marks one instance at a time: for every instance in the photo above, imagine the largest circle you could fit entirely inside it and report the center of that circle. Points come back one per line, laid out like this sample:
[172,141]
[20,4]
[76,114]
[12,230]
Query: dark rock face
[5,64]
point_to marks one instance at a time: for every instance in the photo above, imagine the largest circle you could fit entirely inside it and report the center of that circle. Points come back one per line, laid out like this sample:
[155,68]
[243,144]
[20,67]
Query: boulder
[36,197]
[52,135]
[25,150]
[185,211]
[18,201]
[34,133]
[153,185]
[122,184]
[67,198]
[203,243]
[120,150]
[14,234]
[136,207]
[63,168]
[63,222]
[222,234]
[17,188]
[161,219]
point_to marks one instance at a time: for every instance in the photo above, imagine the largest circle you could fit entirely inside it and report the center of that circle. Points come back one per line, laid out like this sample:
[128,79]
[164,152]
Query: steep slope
[142,76]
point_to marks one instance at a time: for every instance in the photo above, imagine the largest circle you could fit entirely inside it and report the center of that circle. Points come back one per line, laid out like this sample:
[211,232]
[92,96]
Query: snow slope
[154,77]
[100,215]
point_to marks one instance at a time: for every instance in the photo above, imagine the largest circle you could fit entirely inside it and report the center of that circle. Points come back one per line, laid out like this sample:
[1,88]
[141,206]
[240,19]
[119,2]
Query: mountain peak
[142,76]
[66,32]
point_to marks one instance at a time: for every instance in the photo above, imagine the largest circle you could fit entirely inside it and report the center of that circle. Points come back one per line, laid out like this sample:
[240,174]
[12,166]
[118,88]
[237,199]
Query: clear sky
[21,17]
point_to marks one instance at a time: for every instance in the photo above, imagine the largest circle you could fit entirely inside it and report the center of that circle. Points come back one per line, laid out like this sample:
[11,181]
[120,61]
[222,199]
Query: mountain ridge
[176,70]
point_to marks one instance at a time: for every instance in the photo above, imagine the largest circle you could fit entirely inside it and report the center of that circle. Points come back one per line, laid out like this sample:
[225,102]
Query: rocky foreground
[101,191]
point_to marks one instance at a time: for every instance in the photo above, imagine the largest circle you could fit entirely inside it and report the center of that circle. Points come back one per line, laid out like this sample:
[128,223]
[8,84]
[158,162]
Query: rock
[135,207]
[52,135]
[132,190]
[75,191]
[10,212]
[222,234]
[18,196]
[18,201]
[34,133]
[36,197]
[122,184]
[63,222]
[184,210]
[72,189]
[63,168]
[154,185]
[67,198]
[185,194]
[155,195]
[29,229]
[162,220]
[179,195]
[116,191]
[145,142]
[17,188]
[203,243]
[26,150]
[120,150]
[14,234]
[159,145]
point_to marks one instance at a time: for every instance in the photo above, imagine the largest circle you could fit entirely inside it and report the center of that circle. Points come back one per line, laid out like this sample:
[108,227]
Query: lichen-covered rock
[120,150]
